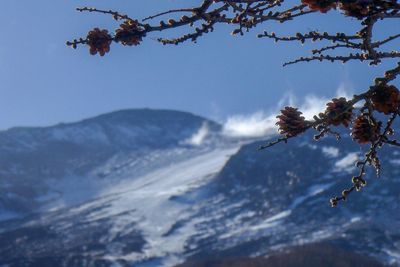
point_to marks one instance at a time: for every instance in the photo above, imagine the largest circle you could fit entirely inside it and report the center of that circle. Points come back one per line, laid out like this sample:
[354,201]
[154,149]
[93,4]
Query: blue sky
[43,82]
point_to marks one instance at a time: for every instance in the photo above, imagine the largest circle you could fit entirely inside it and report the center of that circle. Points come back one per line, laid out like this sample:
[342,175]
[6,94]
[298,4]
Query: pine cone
[386,99]
[291,123]
[322,6]
[129,33]
[363,8]
[338,112]
[99,41]
[358,9]
[365,129]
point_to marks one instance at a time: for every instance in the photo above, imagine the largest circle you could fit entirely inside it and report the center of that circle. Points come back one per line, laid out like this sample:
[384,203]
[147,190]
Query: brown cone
[355,9]
[320,5]
[339,112]
[365,129]
[99,41]
[129,33]
[363,8]
[291,123]
[385,99]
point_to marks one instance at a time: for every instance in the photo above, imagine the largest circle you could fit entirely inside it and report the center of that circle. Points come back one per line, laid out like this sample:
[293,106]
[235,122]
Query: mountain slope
[145,204]
[304,256]
[34,159]
[282,200]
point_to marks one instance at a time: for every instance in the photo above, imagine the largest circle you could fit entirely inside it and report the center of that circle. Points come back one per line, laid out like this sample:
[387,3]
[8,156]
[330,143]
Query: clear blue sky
[43,82]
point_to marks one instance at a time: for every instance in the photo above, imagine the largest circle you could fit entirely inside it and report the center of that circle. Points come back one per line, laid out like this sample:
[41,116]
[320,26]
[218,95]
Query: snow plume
[261,124]
[344,90]
[330,151]
[312,105]
[254,125]
[347,163]
[198,137]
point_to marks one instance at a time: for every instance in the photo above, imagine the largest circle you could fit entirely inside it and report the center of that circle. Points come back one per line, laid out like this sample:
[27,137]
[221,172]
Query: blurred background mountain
[161,188]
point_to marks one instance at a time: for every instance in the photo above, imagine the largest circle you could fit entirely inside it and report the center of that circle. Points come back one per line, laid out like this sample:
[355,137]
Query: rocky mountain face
[33,158]
[160,188]
[304,256]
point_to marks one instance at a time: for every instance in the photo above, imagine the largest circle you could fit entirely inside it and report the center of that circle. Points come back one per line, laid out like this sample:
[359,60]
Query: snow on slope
[145,203]
[148,204]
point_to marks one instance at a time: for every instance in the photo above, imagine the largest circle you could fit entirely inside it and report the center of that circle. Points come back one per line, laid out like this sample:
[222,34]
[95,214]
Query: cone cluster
[98,41]
[322,6]
[357,9]
[338,112]
[365,129]
[386,99]
[353,8]
[290,122]
[129,33]
[362,8]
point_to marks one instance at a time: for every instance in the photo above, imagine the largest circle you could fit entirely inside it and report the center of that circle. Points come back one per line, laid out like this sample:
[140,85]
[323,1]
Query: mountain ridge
[106,115]
[165,202]
[32,156]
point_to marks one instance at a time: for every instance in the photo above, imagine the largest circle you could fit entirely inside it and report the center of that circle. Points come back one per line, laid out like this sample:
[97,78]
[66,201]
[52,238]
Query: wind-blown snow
[198,138]
[260,124]
[395,161]
[312,191]
[330,151]
[7,215]
[254,125]
[242,229]
[271,221]
[158,206]
[147,204]
[347,163]
[312,106]
[394,256]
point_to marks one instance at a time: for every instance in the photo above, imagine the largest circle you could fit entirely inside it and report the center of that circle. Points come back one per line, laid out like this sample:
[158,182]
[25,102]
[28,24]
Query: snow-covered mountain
[157,188]
[72,156]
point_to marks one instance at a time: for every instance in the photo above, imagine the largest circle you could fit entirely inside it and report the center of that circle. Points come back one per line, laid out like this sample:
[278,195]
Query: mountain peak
[135,115]
[130,126]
